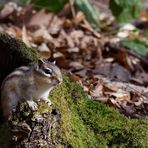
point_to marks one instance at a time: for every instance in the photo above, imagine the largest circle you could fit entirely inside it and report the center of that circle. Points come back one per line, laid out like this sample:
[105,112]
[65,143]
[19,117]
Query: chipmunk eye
[48,71]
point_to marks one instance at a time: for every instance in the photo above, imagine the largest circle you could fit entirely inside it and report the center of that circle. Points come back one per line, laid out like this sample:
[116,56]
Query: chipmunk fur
[29,83]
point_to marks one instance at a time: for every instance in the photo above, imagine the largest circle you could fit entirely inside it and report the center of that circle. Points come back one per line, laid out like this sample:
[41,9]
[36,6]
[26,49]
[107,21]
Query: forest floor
[103,63]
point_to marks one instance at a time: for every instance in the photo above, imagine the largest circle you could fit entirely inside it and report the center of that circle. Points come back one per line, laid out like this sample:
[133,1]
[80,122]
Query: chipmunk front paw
[47,101]
[33,106]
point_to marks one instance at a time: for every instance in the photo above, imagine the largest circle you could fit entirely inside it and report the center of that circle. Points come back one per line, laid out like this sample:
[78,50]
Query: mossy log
[73,120]
[14,53]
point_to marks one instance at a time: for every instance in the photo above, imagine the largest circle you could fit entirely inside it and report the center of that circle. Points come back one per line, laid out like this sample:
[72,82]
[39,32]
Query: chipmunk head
[48,72]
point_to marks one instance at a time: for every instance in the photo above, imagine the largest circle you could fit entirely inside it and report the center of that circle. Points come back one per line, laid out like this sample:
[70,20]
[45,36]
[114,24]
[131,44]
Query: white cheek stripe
[24,68]
[16,73]
[48,75]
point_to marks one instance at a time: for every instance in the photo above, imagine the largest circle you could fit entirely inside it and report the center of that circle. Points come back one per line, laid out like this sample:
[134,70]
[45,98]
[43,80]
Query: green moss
[14,53]
[86,123]
[83,123]
[17,49]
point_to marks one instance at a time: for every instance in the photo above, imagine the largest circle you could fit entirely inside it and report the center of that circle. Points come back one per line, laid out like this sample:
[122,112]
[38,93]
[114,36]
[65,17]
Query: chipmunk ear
[40,62]
[51,61]
[54,62]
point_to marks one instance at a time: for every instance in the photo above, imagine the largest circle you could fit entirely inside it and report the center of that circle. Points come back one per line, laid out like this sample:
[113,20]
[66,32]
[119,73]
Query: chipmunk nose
[60,79]
[57,80]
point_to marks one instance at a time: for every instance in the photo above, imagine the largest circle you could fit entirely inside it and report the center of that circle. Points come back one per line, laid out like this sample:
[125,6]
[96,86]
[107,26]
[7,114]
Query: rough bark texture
[33,129]
[14,53]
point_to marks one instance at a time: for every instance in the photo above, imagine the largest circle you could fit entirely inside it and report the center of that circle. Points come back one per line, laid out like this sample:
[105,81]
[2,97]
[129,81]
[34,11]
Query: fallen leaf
[25,37]
[6,11]
[40,18]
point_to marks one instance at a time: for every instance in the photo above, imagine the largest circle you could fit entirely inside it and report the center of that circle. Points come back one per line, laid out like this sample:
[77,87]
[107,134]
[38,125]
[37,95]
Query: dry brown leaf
[40,18]
[97,91]
[76,65]
[74,49]
[76,36]
[78,18]
[113,103]
[119,95]
[74,78]
[6,11]
[87,26]
[55,26]
[44,50]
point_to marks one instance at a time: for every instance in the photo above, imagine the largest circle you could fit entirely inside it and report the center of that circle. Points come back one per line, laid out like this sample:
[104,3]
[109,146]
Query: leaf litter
[108,71]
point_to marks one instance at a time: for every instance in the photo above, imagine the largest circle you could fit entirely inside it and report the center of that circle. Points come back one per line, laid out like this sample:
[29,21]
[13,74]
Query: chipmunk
[29,83]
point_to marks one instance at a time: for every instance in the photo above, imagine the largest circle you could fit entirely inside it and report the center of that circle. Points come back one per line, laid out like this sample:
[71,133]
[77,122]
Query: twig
[72,8]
